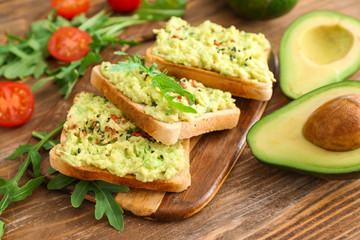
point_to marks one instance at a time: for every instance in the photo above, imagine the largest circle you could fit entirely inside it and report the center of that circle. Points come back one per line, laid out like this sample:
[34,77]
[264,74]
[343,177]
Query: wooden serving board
[212,157]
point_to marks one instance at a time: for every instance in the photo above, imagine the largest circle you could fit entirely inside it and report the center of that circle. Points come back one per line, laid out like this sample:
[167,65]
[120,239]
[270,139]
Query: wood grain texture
[255,201]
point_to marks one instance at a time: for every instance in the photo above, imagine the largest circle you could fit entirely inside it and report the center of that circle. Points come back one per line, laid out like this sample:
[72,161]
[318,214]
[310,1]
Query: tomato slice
[16,103]
[124,5]
[69,44]
[70,8]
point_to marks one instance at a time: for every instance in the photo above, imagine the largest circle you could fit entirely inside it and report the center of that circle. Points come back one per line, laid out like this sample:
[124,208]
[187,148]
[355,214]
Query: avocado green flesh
[277,138]
[326,44]
[317,49]
[99,135]
[210,46]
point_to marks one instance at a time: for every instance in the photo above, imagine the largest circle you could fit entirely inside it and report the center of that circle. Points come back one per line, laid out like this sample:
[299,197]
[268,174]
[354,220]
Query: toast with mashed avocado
[99,142]
[221,58]
[163,114]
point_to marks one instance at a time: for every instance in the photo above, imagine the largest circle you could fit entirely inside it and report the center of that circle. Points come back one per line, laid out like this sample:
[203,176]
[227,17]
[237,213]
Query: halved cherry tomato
[69,44]
[16,103]
[70,8]
[124,5]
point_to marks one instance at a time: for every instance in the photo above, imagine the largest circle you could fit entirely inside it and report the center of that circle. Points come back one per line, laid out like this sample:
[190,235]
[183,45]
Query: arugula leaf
[60,182]
[80,191]
[2,228]
[49,144]
[35,158]
[155,10]
[21,149]
[10,188]
[159,79]
[105,202]
[13,193]
[20,58]
[51,170]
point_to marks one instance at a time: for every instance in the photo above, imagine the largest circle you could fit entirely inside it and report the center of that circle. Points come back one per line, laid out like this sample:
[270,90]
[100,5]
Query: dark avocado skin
[261,9]
[261,129]
[325,176]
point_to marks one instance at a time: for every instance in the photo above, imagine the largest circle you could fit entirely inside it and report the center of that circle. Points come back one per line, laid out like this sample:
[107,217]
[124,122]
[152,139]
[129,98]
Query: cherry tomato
[124,5]
[70,8]
[69,44]
[16,103]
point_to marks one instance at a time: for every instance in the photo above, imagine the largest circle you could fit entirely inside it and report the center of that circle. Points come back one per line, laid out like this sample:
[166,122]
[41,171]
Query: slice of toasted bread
[167,133]
[178,183]
[236,86]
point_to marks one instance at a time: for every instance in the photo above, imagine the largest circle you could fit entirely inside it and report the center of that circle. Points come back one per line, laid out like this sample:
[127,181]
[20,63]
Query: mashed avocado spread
[99,135]
[137,86]
[209,46]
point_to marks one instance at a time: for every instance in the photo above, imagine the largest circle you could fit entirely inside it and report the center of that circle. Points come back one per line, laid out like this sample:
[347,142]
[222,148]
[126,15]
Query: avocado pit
[335,125]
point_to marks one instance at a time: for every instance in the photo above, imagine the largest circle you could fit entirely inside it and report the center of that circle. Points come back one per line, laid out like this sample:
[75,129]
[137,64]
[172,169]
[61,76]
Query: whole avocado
[261,9]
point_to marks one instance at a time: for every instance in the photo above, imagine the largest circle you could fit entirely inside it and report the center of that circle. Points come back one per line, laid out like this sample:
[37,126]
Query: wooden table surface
[255,201]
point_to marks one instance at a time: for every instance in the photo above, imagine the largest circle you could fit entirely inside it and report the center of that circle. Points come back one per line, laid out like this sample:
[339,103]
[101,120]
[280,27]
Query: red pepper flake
[232,40]
[98,141]
[175,36]
[145,135]
[115,118]
[84,133]
[216,43]
[193,83]
[124,121]
[116,139]
[112,134]
[136,134]
[182,84]
[76,125]
[179,97]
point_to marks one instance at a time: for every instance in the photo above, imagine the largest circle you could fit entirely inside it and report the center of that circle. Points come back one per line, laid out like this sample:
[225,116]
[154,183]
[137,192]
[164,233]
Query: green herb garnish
[105,202]
[10,188]
[20,58]
[159,79]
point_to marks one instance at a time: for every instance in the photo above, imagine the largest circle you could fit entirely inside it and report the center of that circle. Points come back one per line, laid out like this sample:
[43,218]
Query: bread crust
[236,86]
[176,184]
[167,133]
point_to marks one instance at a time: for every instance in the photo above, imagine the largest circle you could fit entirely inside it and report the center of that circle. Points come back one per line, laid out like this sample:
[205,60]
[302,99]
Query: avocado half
[317,49]
[277,139]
